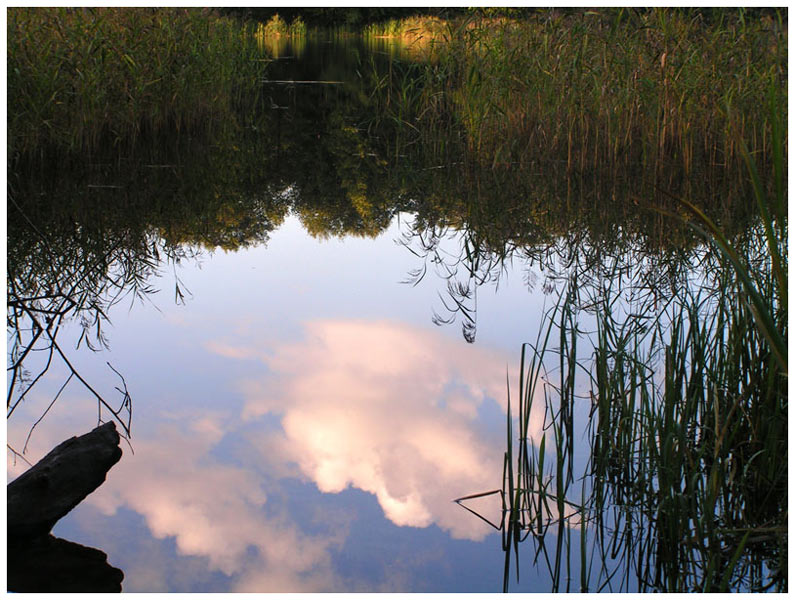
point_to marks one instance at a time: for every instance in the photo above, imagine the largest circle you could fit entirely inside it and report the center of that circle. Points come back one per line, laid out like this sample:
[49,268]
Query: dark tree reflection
[85,233]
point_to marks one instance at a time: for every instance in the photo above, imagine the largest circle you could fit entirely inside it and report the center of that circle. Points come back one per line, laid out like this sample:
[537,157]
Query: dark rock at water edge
[46,492]
[37,499]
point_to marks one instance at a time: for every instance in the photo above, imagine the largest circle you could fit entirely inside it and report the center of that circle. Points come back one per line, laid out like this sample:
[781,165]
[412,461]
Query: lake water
[317,327]
[299,424]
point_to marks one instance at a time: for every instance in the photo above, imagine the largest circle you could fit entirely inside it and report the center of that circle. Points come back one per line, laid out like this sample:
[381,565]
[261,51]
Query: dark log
[48,564]
[60,481]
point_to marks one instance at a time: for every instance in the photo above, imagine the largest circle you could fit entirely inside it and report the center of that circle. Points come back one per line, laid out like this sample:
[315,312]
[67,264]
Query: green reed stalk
[686,485]
[613,86]
[81,76]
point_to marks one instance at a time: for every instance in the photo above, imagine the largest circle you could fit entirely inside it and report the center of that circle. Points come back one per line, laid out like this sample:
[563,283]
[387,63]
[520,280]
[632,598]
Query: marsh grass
[687,476]
[278,27]
[685,382]
[410,29]
[80,77]
[610,88]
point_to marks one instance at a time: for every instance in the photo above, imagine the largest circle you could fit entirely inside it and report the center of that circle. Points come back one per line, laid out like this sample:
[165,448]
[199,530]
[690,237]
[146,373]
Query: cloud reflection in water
[215,510]
[411,416]
[392,410]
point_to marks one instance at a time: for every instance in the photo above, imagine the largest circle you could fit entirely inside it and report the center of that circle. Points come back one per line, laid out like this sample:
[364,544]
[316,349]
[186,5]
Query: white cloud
[383,407]
[391,410]
[214,510]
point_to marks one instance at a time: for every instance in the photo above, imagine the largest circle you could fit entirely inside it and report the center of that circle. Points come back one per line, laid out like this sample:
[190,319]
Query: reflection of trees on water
[70,284]
[82,241]
[96,232]
[463,272]
[551,239]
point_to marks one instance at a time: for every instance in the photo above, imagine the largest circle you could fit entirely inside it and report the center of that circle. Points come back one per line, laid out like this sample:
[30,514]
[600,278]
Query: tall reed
[79,76]
[685,383]
[613,86]
[278,27]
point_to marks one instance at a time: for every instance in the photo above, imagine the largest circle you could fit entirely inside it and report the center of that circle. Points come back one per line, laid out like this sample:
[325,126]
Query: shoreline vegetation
[686,486]
[79,78]
[593,87]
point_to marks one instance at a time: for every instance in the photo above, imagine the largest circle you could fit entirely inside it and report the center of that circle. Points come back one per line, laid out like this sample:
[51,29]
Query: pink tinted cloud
[392,410]
[215,510]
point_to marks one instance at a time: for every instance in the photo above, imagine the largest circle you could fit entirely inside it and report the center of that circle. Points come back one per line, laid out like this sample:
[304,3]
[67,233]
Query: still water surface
[300,423]
[304,414]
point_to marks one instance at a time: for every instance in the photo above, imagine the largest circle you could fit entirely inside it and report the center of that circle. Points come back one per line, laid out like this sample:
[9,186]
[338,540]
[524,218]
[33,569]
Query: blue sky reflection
[300,425]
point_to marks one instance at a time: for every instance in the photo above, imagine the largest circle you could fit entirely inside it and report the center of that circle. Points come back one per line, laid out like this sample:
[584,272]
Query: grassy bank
[78,77]
[608,87]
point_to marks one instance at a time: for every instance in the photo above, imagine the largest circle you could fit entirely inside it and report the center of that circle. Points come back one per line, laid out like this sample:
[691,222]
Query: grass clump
[409,28]
[297,28]
[613,86]
[278,27]
[78,77]
[684,486]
